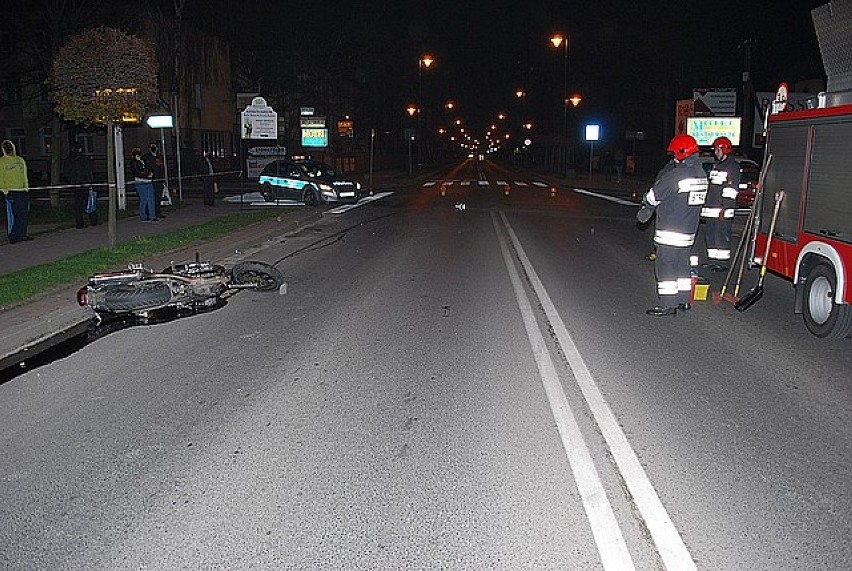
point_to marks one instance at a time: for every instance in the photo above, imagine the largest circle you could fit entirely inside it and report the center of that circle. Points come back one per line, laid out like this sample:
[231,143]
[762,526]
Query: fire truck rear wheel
[823,317]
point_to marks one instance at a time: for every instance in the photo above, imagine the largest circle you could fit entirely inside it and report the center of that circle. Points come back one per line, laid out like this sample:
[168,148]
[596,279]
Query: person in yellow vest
[16,189]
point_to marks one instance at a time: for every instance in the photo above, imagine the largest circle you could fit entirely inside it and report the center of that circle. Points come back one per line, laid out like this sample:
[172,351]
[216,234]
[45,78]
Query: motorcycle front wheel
[264,276]
[126,299]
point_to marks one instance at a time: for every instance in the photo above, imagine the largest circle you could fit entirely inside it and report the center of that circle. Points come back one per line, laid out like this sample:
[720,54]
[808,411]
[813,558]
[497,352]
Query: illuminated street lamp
[426,61]
[574,100]
[411,110]
[560,40]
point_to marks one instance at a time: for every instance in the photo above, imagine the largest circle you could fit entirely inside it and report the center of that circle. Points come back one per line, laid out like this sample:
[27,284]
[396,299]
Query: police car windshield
[317,169]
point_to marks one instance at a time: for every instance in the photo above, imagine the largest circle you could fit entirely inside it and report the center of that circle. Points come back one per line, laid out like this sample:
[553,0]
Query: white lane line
[502,183]
[606,197]
[362,202]
[465,183]
[608,538]
[541,184]
[483,183]
[665,535]
[521,183]
[429,183]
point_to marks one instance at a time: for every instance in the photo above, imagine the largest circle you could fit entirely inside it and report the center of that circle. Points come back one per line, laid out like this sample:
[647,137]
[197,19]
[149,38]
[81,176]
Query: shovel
[756,292]
[740,253]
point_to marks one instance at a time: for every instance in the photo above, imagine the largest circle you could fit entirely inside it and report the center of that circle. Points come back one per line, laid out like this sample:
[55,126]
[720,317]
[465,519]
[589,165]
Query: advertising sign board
[715,101]
[314,137]
[259,121]
[706,129]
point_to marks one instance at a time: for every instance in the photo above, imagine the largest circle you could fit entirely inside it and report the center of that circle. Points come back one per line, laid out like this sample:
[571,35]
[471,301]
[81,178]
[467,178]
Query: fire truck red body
[812,244]
[811,161]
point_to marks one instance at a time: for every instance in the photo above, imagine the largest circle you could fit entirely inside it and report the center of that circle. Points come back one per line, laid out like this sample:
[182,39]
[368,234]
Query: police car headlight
[326,187]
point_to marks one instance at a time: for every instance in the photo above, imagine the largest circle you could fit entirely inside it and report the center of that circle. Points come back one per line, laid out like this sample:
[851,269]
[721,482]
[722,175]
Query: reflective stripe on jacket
[678,194]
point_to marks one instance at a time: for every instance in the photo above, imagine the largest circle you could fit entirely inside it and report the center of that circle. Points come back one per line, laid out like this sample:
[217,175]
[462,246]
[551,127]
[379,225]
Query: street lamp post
[424,61]
[559,40]
[411,110]
[162,121]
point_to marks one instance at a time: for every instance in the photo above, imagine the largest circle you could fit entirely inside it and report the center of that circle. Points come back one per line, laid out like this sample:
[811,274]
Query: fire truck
[811,161]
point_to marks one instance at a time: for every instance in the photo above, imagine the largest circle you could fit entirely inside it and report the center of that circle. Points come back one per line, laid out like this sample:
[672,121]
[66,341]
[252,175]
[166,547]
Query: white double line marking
[605,528]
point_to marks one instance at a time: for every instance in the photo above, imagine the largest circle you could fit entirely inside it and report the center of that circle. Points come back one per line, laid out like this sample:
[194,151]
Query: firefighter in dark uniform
[677,197]
[718,210]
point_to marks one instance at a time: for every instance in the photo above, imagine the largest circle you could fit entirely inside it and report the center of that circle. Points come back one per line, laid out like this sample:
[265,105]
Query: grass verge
[25,284]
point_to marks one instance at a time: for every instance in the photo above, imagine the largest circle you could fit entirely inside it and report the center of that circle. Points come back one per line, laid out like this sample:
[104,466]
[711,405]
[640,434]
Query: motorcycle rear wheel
[264,276]
[127,299]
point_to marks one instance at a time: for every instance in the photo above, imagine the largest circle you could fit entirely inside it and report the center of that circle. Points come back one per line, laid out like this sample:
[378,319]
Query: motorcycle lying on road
[194,287]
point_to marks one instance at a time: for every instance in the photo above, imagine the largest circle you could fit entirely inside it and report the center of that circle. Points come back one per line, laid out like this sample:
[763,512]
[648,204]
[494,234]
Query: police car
[308,181]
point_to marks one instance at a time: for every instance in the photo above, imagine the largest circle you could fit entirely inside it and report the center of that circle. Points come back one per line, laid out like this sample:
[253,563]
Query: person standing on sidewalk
[618,163]
[77,170]
[154,161]
[208,183]
[144,188]
[721,203]
[676,196]
[16,189]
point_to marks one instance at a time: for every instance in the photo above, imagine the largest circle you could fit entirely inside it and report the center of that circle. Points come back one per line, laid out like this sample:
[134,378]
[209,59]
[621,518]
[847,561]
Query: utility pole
[747,141]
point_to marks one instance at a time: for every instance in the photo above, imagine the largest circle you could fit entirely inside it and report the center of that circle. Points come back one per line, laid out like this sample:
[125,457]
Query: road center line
[608,538]
[669,544]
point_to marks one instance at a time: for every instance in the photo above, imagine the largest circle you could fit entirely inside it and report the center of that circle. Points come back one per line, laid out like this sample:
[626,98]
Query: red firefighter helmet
[724,145]
[682,146]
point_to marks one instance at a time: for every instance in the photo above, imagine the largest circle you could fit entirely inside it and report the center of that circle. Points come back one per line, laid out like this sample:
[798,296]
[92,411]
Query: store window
[213,142]
[88,142]
[19,138]
[45,140]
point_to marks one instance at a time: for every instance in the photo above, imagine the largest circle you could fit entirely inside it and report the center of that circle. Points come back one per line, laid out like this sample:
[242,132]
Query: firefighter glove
[645,213]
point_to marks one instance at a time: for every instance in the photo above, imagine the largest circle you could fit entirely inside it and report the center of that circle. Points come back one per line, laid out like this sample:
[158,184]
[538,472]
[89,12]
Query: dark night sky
[623,56]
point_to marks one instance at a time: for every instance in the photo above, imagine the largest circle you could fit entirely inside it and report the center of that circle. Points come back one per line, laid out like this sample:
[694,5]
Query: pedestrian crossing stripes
[502,184]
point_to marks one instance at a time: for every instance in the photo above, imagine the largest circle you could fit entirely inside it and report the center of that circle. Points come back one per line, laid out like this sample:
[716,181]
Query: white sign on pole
[259,157]
[259,121]
[593,132]
[120,185]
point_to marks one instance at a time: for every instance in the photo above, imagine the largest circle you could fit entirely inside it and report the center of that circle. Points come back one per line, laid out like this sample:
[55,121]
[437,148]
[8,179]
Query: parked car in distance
[306,180]
[749,175]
